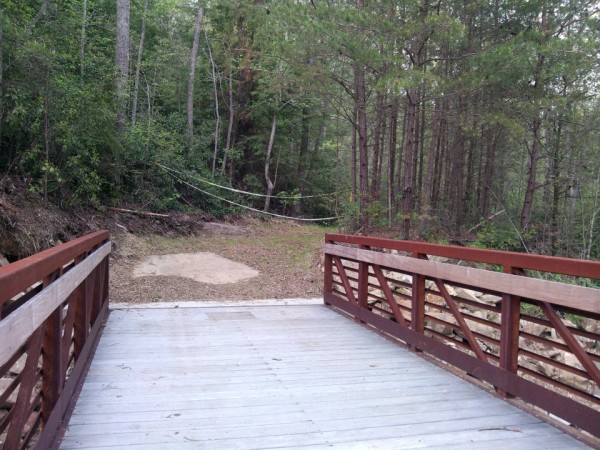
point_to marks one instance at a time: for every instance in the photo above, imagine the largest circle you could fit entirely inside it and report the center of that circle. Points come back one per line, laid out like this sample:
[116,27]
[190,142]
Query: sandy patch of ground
[202,267]
[286,255]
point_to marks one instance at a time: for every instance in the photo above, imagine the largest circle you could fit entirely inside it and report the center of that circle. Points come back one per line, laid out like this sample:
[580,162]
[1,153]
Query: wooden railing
[52,306]
[481,312]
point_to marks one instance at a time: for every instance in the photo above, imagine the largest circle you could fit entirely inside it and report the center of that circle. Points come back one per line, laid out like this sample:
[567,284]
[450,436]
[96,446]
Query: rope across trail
[176,175]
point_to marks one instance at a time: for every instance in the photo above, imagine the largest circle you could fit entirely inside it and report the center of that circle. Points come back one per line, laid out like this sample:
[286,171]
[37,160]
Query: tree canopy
[425,117]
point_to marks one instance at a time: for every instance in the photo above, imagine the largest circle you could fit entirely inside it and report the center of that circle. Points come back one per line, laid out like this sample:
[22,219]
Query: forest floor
[286,255]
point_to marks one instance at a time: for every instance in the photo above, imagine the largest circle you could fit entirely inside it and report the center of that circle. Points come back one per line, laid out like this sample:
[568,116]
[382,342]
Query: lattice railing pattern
[480,311]
[51,308]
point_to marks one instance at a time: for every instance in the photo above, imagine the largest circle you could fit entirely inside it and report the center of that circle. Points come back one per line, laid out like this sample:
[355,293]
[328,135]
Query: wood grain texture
[578,297]
[289,376]
[18,326]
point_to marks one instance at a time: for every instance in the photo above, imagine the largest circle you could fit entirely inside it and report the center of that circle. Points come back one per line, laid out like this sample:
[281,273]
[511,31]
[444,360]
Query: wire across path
[257,377]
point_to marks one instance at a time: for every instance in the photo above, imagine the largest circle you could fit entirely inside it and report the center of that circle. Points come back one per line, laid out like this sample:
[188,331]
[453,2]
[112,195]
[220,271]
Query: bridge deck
[280,377]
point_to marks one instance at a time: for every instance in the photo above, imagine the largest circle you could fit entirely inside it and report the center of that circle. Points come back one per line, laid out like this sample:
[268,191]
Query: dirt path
[286,256]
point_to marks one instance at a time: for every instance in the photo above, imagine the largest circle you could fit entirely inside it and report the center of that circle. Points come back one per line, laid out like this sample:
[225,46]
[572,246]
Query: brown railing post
[328,276]
[363,282]
[81,325]
[509,332]
[52,371]
[417,319]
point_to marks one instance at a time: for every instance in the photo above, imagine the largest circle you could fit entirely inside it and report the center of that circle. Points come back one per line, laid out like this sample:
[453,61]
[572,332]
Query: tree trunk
[536,127]
[487,179]
[190,96]
[229,125]
[425,208]
[270,185]
[363,155]
[392,140]
[440,156]
[82,45]
[409,159]
[377,148]
[302,156]
[41,13]
[354,156]
[122,61]
[217,115]
[46,132]
[1,84]
[531,175]
[138,66]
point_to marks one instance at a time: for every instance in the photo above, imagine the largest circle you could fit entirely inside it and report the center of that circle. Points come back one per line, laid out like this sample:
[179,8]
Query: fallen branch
[485,220]
[139,213]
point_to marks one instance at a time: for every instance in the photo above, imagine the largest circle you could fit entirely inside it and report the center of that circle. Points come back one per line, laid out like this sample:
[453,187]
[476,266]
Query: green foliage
[494,68]
[493,237]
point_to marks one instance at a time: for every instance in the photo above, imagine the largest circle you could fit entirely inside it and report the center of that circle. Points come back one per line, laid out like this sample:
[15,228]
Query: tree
[191,80]
[122,61]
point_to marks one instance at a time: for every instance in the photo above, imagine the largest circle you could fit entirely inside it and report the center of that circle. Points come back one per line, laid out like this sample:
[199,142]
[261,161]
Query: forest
[475,119]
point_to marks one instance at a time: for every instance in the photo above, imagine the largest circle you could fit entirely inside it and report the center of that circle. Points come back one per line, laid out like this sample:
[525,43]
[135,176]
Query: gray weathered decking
[280,377]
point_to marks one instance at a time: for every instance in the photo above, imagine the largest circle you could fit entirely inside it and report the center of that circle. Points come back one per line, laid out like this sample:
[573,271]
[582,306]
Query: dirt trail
[286,256]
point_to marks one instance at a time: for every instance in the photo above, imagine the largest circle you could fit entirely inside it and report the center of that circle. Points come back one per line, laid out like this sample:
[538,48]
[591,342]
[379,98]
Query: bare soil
[286,255]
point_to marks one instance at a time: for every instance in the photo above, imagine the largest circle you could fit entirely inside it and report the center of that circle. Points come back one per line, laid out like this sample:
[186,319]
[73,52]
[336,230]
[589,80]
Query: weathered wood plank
[20,325]
[251,391]
[578,297]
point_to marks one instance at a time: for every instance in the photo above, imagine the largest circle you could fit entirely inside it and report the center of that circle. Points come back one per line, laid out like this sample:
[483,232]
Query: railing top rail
[564,266]
[23,273]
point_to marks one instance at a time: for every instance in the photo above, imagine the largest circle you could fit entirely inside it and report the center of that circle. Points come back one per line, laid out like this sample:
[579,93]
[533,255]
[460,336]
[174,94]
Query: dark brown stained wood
[565,266]
[464,328]
[15,329]
[455,341]
[587,418]
[51,326]
[578,297]
[29,271]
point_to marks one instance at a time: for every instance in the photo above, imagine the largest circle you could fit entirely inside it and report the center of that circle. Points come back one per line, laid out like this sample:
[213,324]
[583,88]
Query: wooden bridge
[416,346]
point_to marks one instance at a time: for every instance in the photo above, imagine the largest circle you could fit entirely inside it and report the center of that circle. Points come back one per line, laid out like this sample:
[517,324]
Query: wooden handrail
[51,304]
[20,275]
[551,264]
[417,301]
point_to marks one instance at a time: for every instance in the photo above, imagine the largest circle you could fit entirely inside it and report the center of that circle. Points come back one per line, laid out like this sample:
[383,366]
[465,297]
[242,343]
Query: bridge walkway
[257,377]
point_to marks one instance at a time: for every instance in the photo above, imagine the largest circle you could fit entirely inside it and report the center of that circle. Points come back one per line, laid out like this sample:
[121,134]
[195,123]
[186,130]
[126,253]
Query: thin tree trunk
[46,133]
[217,115]
[41,13]
[409,159]
[440,157]
[354,163]
[302,156]
[82,45]
[270,185]
[138,66]
[534,149]
[190,96]
[1,83]
[426,191]
[377,149]
[230,124]
[531,175]
[392,140]
[399,175]
[487,179]
[363,155]
[420,149]
[122,61]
